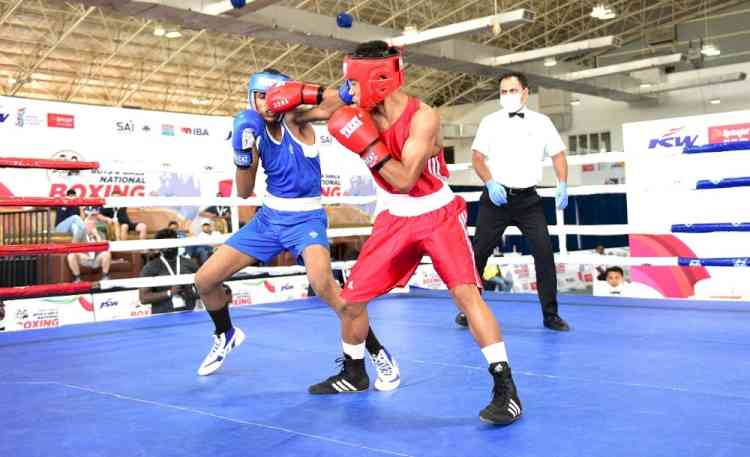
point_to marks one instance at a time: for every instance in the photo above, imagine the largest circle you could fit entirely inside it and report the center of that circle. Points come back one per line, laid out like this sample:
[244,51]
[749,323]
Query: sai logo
[673,139]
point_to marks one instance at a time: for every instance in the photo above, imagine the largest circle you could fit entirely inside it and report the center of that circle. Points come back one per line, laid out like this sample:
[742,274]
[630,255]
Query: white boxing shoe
[389,377]
[223,345]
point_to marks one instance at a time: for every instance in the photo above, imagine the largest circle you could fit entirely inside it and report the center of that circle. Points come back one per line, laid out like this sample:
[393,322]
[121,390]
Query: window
[590,143]
[573,145]
[450,154]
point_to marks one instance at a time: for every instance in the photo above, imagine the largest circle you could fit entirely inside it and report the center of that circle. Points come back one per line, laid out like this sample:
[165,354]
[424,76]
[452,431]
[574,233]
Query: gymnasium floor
[633,378]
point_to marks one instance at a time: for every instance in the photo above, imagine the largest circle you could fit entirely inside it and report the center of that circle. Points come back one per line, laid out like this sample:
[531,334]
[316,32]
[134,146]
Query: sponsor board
[729,133]
[268,290]
[48,312]
[119,305]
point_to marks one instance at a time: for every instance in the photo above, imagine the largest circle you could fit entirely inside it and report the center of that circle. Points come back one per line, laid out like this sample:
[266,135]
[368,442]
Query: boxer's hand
[291,94]
[354,128]
[345,92]
[247,126]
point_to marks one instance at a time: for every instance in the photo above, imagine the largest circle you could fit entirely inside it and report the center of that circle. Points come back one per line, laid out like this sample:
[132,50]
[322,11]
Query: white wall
[596,114]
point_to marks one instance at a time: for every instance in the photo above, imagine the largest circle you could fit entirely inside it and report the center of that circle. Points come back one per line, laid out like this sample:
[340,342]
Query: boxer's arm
[245,177]
[330,103]
[418,149]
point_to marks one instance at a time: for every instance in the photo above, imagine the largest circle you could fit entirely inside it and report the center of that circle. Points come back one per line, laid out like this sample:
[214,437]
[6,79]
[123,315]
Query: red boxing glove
[291,94]
[354,128]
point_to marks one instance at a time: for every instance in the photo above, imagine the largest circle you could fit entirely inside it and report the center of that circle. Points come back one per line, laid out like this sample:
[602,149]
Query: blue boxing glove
[345,92]
[247,126]
[496,192]
[561,195]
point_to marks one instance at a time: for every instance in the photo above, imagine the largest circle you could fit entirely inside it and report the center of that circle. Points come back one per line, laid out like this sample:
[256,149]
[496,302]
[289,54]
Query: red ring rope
[59,248]
[50,201]
[43,290]
[50,164]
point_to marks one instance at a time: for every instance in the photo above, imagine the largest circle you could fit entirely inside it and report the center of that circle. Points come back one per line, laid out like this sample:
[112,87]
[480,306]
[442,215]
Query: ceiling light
[575,102]
[602,12]
[710,50]
[12,80]
[200,101]
[550,62]
[159,31]
[645,85]
[411,29]
[173,34]
[715,101]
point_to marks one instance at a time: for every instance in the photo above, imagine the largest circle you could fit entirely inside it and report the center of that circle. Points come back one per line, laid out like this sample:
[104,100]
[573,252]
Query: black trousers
[525,211]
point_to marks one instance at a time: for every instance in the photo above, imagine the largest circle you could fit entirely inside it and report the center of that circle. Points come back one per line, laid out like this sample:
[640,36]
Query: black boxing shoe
[555,322]
[505,407]
[461,320]
[351,378]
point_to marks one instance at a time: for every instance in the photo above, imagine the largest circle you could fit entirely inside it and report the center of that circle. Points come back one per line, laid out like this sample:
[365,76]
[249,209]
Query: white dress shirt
[515,147]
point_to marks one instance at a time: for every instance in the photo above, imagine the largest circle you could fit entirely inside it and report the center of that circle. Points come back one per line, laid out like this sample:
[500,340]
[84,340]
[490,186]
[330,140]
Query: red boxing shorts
[397,244]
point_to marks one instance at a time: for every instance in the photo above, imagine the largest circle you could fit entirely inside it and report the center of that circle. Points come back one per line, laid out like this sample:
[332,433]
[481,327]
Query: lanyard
[169,268]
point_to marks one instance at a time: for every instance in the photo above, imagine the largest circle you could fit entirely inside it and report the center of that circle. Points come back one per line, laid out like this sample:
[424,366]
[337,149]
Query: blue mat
[633,378]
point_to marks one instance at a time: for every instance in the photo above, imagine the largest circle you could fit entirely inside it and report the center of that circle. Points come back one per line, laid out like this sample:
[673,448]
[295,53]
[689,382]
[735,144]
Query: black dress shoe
[461,320]
[555,322]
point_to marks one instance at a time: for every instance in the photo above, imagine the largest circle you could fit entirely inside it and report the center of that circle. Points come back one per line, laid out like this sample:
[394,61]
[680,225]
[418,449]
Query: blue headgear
[261,82]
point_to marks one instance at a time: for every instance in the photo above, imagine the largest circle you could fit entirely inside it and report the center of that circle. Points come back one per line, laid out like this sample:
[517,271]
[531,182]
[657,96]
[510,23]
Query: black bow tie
[519,114]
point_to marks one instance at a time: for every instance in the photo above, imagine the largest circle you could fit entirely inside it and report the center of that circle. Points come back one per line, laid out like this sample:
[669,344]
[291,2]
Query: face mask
[511,102]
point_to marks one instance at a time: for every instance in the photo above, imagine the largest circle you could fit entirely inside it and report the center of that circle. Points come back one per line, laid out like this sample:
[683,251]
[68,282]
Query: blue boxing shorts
[272,231]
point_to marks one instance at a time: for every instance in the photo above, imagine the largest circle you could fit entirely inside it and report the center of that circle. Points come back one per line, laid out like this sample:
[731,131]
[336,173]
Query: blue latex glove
[247,126]
[497,192]
[345,92]
[561,195]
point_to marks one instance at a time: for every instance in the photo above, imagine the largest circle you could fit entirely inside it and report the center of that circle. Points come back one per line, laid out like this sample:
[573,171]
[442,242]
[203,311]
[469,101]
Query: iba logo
[673,139]
[194,131]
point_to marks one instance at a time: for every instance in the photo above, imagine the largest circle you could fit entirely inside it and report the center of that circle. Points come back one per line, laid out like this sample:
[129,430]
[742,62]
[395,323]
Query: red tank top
[435,173]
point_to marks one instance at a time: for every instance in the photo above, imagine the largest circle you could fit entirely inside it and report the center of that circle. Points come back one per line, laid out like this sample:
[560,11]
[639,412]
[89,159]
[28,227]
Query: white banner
[268,290]
[146,153]
[48,312]
[654,151]
[119,305]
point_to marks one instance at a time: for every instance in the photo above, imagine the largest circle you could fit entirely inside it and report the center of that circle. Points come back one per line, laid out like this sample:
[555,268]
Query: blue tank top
[292,167]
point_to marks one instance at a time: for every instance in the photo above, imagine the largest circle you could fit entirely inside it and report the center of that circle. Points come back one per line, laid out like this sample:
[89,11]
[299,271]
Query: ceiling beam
[301,27]
[625,67]
[9,12]
[166,61]
[559,50]
[28,73]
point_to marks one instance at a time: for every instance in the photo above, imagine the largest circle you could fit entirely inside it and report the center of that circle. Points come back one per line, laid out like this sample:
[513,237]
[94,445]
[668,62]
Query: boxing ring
[634,377]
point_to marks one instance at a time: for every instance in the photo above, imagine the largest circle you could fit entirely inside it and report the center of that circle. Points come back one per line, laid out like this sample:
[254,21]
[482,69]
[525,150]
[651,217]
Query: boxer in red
[399,139]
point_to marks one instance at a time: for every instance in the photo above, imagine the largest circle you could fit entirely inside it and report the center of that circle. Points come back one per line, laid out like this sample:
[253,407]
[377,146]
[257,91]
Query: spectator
[93,214]
[122,221]
[494,279]
[600,269]
[220,215]
[174,225]
[615,277]
[68,219]
[202,253]
[166,299]
[91,260]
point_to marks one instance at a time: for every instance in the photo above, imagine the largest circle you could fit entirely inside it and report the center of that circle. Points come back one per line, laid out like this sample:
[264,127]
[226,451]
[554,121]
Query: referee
[507,155]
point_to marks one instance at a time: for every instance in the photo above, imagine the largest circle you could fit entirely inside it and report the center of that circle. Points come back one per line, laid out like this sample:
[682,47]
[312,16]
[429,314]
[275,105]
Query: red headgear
[377,77]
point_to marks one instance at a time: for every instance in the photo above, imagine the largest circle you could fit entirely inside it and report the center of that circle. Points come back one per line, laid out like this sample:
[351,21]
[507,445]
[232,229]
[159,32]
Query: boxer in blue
[291,218]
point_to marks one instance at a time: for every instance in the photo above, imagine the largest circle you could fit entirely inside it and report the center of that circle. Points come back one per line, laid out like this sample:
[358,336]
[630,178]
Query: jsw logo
[351,127]
[671,139]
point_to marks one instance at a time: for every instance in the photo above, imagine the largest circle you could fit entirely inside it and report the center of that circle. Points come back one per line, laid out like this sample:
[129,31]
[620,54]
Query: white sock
[355,351]
[495,353]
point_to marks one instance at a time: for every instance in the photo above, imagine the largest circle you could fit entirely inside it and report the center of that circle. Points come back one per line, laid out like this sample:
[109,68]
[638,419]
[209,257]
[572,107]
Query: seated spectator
[122,221]
[93,214]
[93,260]
[494,279]
[174,225]
[219,215]
[68,219]
[201,253]
[167,299]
